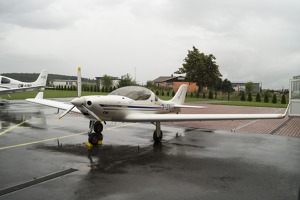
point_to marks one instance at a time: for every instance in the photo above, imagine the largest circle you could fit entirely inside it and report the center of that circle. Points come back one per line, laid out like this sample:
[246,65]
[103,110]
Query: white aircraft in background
[9,85]
[136,104]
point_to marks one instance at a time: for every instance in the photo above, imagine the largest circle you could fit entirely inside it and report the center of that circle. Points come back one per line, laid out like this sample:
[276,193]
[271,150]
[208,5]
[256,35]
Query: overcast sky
[257,40]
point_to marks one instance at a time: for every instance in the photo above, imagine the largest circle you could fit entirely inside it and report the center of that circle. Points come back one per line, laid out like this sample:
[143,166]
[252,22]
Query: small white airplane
[9,85]
[136,104]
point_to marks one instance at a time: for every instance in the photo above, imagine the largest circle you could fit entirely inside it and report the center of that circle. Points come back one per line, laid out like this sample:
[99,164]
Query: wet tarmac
[45,158]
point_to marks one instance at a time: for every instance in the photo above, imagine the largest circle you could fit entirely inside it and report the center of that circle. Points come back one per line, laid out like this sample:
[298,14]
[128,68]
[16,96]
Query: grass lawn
[65,94]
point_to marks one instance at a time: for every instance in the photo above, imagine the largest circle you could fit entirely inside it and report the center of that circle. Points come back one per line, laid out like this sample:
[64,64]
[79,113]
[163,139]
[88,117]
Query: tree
[210,95]
[266,98]
[243,96]
[274,99]
[283,99]
[200,68]
[150,84]
[257,98]
[106,81]
[217,86]
[249,97]
[249,87]
[126,80]
[227,87]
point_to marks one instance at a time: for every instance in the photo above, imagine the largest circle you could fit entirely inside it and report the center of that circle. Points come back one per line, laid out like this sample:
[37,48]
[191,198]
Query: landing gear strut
[158,134]
[95,137]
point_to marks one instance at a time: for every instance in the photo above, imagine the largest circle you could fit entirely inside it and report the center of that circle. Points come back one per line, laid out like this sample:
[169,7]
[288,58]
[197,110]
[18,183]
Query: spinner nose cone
[78,101]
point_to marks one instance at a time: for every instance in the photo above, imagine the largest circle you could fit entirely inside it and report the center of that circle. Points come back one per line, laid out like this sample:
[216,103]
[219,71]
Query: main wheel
[93,138]
[157,139]
[98,127]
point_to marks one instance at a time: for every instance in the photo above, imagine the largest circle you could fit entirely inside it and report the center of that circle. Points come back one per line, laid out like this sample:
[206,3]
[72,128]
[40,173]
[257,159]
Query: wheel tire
[93,138]
[157,139]
[98,127]
[100,136]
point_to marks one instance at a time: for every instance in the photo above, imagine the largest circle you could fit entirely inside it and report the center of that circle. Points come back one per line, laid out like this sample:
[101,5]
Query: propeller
[75,101]
[79,82]
[92,113]
[66,112]
[79,101]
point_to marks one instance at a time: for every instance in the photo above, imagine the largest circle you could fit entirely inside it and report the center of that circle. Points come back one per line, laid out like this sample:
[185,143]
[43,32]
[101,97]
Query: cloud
[252,40]
[46,14]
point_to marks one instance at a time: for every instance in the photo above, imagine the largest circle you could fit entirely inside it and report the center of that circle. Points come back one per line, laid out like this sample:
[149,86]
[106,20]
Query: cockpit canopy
[133,92]
[4,80]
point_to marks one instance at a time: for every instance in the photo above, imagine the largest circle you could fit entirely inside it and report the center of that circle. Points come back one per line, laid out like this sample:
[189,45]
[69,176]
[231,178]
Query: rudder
[180,95]
[42,79]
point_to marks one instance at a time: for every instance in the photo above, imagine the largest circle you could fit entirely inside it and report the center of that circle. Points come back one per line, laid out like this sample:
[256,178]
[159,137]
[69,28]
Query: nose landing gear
[95,137]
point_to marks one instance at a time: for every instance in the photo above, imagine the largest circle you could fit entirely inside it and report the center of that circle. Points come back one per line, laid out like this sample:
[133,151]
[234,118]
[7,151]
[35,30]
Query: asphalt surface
[45,158]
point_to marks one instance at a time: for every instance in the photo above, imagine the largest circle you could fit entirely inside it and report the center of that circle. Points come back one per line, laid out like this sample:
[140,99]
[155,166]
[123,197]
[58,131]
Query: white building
[67,83]
[115,81]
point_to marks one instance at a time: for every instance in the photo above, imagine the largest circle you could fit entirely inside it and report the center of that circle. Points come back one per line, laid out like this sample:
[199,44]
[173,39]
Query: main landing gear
[96,128]
[158,134]
[95,137]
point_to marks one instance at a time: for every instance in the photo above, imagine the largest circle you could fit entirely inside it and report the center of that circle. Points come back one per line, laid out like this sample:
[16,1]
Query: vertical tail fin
[42,79]
[180,95]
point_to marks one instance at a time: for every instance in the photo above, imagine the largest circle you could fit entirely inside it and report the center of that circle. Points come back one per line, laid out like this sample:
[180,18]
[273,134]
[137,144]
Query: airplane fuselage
[115,107]
[9,85]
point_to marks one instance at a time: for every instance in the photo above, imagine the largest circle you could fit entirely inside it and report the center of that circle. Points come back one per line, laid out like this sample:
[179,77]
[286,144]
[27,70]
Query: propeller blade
[66,112]
[92,113]
[79,82]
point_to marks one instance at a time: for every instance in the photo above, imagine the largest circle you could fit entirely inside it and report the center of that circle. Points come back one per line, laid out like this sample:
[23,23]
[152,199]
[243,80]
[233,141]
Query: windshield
[133,92]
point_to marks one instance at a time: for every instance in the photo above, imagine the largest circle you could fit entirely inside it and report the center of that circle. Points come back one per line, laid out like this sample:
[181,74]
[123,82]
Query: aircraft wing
[187,106]
[51,103]
[139,117]
[13,90]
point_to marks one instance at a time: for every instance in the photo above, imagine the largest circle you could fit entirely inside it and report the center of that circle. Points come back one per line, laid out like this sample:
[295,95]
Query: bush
[283,99]
[204,95]
[257,98]
[173,93]
[266,98]
[249,97]
[274,99]
[162,93]
[197,95]
[157,92]
[192,95]
[210,95]
[243,98]
[168,93]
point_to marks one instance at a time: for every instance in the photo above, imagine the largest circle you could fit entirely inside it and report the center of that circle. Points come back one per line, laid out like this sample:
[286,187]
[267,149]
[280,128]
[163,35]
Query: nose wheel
[95,137]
